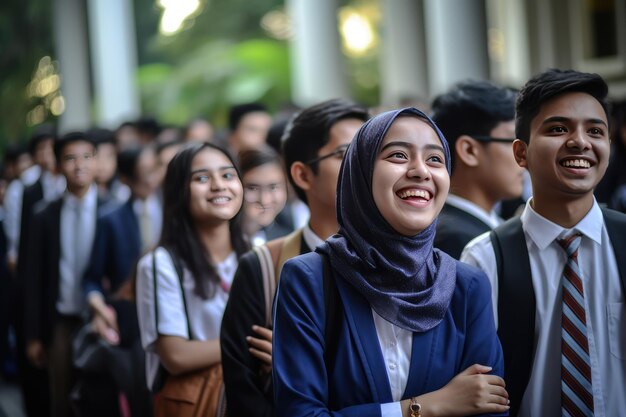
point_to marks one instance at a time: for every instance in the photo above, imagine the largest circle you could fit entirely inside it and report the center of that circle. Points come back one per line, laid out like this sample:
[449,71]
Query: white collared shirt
[490,218]
[604,305]
[395,345]
[310,238]
[205,315]
[77,233]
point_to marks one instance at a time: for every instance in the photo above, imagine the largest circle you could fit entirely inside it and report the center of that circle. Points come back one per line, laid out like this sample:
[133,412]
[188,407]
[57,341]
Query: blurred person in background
[265,193]
[248,125]
[165,152]
[478,120]
[109,185]
[126,135]
[198,130]
[57,255]
[612,189]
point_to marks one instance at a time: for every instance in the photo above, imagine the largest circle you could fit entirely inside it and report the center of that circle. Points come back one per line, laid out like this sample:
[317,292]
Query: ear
[519,151]
[467,151]
[302,175]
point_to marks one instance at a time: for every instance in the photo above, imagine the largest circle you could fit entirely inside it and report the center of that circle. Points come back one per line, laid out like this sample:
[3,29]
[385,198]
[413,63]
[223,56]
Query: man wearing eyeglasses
[478,120]
[314,144]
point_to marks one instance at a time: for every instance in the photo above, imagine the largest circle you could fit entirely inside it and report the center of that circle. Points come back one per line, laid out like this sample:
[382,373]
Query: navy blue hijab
[404,279]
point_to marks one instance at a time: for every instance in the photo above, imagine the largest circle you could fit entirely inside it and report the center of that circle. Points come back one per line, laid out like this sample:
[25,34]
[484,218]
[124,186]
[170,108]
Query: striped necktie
[576,393]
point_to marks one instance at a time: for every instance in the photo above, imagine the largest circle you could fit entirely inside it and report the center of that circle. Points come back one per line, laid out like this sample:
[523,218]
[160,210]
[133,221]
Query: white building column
[70,41]
[456,36]
[316,60]
[114,61]
[403,64]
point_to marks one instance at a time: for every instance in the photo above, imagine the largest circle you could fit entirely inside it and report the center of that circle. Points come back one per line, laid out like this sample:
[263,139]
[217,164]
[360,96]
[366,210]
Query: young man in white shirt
[59,246]
[562,322]
[478,120]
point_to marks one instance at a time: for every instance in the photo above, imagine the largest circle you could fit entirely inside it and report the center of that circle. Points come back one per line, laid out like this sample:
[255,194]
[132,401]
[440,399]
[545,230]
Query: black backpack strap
[180,274]
[516,307]
[616,227]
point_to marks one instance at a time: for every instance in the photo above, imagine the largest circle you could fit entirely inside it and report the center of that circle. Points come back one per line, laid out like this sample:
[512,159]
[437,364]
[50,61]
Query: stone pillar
[456,37]
[70,41]
[114,61]
[316,59]
[403,64]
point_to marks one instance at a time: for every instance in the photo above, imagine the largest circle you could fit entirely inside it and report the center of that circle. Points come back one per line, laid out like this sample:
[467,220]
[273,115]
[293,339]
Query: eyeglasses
[252,193]
[340,152]
[482,138]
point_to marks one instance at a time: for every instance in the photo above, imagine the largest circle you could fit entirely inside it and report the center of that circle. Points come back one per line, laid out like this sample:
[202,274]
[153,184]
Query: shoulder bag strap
[290,249]
[269,281]
[615,223]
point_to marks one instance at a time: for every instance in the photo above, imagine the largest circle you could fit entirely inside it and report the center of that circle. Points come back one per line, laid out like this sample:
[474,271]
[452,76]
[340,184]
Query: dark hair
[472,108]
[42,134]
[14,151]
[101,136]
[67,139]
[148,126]
[549,84]
[179,235]
[127,161]
[160,147]
[253,158]
[275,133]
[618,113]
[309,130]
[239,111]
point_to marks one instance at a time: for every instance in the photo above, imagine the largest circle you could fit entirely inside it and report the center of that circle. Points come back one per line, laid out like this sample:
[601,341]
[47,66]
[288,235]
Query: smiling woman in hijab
[389,326]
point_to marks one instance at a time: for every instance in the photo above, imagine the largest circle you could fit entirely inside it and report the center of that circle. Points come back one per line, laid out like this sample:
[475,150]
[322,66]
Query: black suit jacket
[455,229]
[248,391]
[42,271]
[32,195]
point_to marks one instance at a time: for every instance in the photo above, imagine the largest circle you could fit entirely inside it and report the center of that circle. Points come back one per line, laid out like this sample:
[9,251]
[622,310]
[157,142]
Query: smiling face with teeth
[410,181]
[215,190]
[568,151]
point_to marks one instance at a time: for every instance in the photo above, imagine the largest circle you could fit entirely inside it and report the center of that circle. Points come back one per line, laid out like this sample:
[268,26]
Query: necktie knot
[570,244]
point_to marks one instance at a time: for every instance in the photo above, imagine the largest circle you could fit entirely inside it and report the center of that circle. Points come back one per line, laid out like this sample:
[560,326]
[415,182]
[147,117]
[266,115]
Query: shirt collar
[543,232]
[89,201]
[490,218]
[310,238]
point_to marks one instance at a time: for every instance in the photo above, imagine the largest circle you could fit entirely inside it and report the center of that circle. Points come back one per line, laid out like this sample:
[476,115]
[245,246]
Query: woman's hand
[470,392]
[261,347]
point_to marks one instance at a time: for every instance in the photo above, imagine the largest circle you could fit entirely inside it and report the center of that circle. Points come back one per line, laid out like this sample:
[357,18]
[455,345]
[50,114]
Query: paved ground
[10,400]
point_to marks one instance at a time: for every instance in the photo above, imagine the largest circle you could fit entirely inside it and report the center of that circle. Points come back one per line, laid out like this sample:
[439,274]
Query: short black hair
[67,139]
[41,134]
[552,83]
[127,161]
[14,151]
[472,108]
[309,130]
[239,111]
[254,158]
[101,136]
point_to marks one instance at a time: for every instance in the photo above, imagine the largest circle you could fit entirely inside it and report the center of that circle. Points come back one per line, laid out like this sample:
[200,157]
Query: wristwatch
[415,408]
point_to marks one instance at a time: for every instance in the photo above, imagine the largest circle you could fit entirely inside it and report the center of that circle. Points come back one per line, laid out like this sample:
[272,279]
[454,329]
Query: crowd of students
[334,262]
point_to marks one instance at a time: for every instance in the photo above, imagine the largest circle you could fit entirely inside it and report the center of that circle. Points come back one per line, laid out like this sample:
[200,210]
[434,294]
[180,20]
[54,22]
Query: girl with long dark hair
[198,252]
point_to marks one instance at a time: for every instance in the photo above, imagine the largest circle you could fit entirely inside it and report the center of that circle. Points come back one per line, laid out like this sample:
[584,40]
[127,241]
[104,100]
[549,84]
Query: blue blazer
[116,249]
[355,381]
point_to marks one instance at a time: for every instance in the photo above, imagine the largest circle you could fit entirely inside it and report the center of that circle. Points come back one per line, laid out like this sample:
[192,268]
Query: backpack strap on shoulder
[516,307]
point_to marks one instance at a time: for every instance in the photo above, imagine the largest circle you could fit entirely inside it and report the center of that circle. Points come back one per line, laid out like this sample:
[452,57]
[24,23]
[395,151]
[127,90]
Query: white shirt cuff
[391,409]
